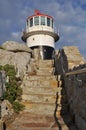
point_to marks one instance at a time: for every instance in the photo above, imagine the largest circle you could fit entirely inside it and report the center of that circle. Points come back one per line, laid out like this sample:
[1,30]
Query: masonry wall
[66,60]
[75,86]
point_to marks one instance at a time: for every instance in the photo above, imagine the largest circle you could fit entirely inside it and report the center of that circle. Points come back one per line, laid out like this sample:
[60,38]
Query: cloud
[16,35]
[69,17]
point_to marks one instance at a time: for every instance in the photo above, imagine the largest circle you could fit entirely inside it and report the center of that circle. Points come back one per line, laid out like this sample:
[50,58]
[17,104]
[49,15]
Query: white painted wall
[40,40]
[39,28]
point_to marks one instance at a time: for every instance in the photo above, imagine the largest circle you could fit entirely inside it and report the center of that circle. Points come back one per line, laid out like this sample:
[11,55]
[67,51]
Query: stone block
[42,82]
[39,98]
[38,90]
[44,72]
[38,77]
[46,63]
[42,109]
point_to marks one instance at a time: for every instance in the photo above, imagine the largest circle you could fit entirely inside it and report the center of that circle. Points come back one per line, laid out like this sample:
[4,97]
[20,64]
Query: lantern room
[39,33]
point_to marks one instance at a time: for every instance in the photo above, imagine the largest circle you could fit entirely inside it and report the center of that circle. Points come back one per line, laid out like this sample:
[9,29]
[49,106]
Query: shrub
[13,91]
[17,106]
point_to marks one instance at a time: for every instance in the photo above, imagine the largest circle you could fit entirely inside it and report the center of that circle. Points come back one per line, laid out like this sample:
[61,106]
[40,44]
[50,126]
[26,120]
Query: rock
[15,47]
[74,57]
[1,125]
[19,59]
[6,108]
[67,58]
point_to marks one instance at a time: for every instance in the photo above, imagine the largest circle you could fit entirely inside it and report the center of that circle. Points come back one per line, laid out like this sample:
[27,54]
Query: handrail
[76,72]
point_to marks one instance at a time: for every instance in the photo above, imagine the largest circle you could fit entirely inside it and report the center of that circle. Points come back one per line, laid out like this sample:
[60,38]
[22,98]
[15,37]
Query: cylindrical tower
[40,34]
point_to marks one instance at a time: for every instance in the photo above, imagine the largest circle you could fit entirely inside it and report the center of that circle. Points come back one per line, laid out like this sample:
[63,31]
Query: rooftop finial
[37,11]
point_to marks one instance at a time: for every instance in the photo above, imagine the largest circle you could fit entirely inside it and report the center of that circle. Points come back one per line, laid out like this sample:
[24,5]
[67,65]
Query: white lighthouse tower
[40,34]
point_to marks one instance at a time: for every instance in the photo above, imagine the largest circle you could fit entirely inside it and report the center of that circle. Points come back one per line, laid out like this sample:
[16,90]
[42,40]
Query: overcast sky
[69,17]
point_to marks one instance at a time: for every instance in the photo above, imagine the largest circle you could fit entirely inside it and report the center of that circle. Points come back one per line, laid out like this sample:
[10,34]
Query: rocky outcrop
[15,54]
[6,108]
[15,47]
[74,57]
[67,58]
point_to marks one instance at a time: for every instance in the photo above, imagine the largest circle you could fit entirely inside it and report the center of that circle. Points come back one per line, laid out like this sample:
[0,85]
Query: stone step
[45,63]
[42,63]
[41,77]
[44,73]
[40,108]
[30,121]
[41,90]
[31,99]
[39,98]
[46,69]
[41,83]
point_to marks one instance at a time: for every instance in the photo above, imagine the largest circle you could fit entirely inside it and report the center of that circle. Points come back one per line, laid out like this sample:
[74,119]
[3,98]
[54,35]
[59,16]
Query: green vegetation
[13,91]
[17,106]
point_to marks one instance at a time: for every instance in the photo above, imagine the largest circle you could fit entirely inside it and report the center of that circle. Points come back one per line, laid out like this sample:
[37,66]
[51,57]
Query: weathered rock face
[74,57]
[15,54]
[6,108]
[67,58]
[15,47]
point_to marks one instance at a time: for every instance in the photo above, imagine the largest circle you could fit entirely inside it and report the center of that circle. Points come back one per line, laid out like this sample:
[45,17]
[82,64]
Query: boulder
[15,47]
[19,59]
[6,108]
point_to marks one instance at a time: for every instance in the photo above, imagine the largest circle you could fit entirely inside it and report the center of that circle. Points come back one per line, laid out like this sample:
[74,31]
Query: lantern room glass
[42,20]
[36,20]
[48,21]
[31,22]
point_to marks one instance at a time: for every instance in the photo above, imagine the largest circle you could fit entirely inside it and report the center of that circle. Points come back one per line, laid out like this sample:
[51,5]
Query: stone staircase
[46,106]
[39,90]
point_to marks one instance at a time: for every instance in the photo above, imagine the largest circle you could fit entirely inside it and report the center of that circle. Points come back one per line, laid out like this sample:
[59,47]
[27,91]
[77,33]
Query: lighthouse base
[45,52]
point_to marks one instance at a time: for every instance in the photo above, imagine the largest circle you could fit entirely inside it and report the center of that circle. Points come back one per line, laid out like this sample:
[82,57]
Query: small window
[42,20]
[48,21]
[36,20]
[31,22]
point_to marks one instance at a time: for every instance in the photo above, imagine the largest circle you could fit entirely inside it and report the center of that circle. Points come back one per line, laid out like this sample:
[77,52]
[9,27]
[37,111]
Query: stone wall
[75,86]
[67,60]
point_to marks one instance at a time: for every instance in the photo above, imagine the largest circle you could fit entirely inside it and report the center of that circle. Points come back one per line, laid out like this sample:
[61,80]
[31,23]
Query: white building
[39,33]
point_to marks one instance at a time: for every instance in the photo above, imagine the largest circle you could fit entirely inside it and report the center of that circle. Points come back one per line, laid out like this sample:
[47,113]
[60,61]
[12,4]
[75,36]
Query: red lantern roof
[38,13]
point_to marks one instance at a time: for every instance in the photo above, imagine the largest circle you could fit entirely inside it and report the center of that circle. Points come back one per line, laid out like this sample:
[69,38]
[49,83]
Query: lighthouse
[40,33]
